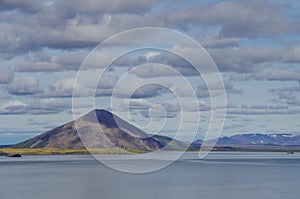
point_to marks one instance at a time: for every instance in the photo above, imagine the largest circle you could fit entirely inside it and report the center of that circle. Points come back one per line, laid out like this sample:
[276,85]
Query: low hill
[114,132]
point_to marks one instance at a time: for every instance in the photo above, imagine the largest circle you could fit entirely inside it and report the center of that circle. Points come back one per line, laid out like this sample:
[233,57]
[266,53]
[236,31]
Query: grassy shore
[54,151]
[106,151]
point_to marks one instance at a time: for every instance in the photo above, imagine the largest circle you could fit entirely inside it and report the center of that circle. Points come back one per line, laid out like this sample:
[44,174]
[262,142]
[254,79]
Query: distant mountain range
[115,132]
[256,141]
[4,146]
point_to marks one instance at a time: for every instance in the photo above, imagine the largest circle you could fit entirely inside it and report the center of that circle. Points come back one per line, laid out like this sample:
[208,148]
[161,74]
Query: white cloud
[24,85]
[13,107]
[37,107]
[291,54]
[40,66]
[6,75]
[64,88]
[150,55]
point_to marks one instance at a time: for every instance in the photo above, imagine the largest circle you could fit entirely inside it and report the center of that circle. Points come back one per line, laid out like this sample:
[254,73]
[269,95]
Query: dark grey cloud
[15,40]
[62,24]
[73,24]
[237,18]
[30,6]
[56,25]
[74,7]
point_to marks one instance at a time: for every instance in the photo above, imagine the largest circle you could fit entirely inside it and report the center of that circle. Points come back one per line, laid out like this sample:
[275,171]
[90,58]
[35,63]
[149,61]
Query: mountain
[175,145]
[261,139]
[256,141]
[114,132]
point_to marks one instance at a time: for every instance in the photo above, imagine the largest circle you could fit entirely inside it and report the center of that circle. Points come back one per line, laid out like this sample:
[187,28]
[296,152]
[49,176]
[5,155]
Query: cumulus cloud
[13,107]
[286,95]
[72,7]
[65,25]
[64,88]
[237,18]
[157,70]
[24,85]
[247,60]
[48,106]
[217,42]
[71,24]
[67,30]
[38,107]
[147,91]
[244,60]
[37,67]
[71,60]
[291,54]
[164,108]
[30,6]
[277,75]
[203,92]
[263,110]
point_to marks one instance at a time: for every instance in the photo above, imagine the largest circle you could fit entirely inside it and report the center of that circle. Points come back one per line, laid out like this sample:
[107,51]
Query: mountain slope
[114,132]
[255,141]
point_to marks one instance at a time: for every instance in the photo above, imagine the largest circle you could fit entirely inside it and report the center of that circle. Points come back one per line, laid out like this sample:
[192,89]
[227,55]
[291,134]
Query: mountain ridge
[283,139]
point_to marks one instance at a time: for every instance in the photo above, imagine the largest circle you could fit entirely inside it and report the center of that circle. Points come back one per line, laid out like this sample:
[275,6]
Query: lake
[221,175]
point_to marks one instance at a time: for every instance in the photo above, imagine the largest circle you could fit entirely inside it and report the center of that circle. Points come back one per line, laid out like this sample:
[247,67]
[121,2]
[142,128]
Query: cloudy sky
[255,45]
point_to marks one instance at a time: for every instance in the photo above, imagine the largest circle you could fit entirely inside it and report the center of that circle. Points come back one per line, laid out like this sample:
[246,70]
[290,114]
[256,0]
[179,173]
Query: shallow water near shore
[220,175]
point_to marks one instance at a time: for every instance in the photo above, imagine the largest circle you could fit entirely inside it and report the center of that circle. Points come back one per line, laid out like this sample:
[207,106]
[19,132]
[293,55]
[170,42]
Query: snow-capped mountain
[258,139]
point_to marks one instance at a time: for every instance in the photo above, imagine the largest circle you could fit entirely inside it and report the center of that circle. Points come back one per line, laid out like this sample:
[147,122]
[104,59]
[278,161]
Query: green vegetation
[106,151]
[54,151]
[42,151]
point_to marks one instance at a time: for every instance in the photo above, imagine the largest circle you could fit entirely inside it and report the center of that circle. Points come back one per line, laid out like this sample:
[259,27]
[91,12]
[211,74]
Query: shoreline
[112,151]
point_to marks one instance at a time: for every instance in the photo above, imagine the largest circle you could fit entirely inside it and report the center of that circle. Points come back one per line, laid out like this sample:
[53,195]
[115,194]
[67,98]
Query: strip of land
[54,151]
[117,151]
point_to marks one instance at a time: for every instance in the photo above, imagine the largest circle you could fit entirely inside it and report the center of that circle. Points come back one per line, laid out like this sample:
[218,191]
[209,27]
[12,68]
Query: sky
[254,44]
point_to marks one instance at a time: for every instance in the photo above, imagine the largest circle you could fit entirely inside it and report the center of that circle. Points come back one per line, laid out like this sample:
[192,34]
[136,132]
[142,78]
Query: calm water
[221,175]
